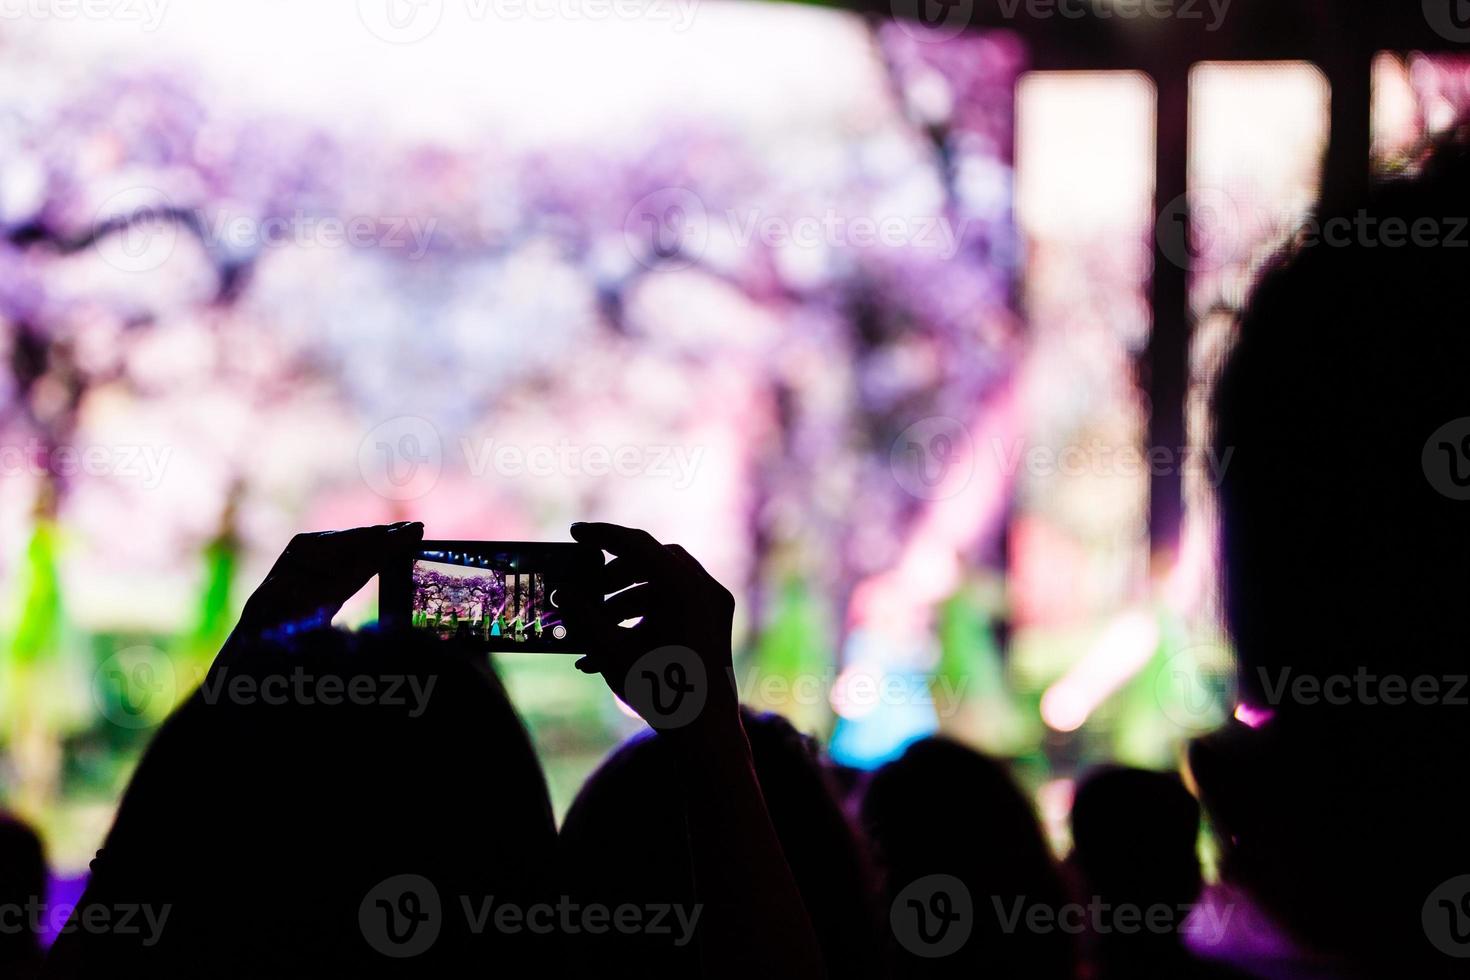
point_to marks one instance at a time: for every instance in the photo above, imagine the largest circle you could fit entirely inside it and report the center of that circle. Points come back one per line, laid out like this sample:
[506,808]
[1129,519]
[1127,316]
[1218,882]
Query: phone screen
[502,595]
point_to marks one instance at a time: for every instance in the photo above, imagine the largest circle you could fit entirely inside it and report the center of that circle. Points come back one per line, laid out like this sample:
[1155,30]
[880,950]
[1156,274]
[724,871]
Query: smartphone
[497,595]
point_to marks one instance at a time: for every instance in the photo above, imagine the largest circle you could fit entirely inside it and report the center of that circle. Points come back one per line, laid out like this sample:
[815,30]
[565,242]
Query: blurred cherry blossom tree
[256,294]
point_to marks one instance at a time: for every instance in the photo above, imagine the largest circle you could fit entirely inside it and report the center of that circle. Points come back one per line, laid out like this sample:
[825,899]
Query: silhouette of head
[1345,564]
[624,841]
[1343,537]
[1135,837]
[22,888]
[944,809]
[275,813]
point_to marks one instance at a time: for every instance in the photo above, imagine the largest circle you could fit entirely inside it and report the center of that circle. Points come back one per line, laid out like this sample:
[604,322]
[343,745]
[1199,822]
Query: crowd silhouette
[22,884]
[411,832]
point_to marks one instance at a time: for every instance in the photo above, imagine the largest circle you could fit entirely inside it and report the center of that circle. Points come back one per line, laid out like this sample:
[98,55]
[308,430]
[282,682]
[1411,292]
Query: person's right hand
[674,666]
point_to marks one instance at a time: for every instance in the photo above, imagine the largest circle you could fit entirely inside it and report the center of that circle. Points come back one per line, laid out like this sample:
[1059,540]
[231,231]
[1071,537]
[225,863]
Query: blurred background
[901,320]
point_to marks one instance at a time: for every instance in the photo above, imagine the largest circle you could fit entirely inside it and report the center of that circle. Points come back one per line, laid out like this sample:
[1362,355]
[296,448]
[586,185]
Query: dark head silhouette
[1345,409]
[22,889]
[270,820]
[944,809]
[1135,838]
[624,841]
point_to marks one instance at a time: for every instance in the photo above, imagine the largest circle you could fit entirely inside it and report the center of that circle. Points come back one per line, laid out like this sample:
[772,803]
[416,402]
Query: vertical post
[1345,165]
[1164,373]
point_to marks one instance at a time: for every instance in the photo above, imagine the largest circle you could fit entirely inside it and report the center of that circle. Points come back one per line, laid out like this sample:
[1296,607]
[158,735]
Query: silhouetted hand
[674,665]
[674,668]
[319,571]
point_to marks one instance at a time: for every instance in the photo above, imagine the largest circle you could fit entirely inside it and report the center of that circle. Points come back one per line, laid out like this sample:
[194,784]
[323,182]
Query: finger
[332,566]
[620,573]
[320,571]
[621,541]
[691,568]
[328,552]
[628,604]
[584,616]
[685,560]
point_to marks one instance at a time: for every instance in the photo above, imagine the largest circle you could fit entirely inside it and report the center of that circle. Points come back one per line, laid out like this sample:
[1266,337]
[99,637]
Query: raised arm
[674,668]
